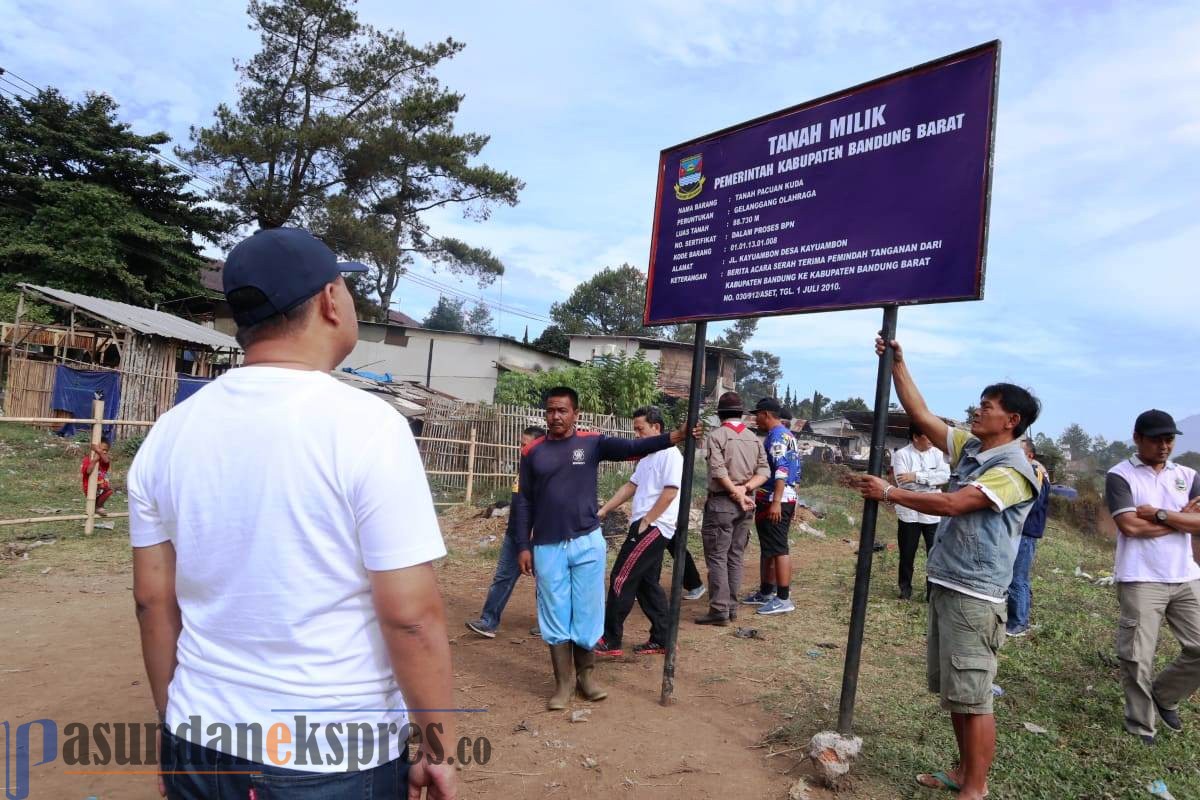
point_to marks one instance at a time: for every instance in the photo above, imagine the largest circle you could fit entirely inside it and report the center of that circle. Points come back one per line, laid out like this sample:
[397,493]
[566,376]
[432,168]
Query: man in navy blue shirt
[557,503]
[1020,595]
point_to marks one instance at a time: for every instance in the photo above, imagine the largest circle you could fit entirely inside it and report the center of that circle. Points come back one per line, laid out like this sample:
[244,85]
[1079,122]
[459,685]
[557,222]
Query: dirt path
[71,653]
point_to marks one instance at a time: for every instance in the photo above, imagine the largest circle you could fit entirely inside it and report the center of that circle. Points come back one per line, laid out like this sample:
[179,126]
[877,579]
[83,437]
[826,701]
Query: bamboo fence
[479,451]
[446,438]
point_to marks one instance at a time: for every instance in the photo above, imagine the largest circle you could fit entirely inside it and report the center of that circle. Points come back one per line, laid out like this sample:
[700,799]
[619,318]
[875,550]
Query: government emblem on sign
[691,181]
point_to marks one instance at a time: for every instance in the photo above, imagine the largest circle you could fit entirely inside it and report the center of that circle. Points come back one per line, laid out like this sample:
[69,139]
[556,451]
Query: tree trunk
[385,303]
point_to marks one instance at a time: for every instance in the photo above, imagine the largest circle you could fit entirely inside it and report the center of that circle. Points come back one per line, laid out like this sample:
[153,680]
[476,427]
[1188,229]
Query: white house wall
[463,365]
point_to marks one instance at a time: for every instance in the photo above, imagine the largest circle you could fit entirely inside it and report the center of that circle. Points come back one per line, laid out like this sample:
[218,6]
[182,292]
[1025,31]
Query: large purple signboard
[872,196]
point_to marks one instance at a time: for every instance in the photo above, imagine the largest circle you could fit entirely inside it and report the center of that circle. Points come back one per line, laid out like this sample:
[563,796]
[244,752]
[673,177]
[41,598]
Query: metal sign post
[679,544]
[866,537]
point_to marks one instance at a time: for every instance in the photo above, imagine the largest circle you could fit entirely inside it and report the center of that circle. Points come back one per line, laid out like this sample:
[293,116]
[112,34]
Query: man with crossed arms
[1154,503]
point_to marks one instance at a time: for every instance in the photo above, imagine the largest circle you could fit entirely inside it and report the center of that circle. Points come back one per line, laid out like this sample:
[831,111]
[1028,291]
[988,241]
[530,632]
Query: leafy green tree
[970,412]
[610,302]
[1076,440]
[734,338]
[1189,459]
[685,332]
[446,315]
[1105,454]
[479,320]
[609,385]
[553,339]
[85,205]
[626,383]
[738,334]
[758,376]
[849,404]
[32,311]
[345,129]
[1050,454]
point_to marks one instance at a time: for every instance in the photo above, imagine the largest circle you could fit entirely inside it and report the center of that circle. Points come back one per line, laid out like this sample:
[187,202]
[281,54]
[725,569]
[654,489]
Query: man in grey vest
[992,487]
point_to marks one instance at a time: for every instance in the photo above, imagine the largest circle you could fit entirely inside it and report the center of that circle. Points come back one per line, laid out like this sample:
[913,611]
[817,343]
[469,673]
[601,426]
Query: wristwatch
[1160,516]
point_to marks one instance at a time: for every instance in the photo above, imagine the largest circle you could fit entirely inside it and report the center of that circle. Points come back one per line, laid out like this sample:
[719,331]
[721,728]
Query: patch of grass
[39,477]
[1062,677]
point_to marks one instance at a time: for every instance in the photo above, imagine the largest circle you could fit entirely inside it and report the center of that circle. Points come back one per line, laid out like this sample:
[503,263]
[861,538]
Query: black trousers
[635,576]
[910,535]
[691,575]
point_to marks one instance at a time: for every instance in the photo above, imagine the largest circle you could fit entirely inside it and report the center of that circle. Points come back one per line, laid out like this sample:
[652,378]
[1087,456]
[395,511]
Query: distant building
[673,359]
[464,365]
[850,432]
[400,318]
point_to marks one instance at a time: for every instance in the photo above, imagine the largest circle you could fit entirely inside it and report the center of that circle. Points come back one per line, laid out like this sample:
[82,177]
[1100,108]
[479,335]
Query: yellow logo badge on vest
[691,179]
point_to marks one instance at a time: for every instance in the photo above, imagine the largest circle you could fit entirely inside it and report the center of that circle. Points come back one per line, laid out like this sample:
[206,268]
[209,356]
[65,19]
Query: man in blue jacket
[992,487]
[1020,594]
[557,503]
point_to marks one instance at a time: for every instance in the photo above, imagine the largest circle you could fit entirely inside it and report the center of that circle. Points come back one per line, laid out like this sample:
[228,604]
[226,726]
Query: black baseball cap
[770,404]
[1155,423]
[276,270]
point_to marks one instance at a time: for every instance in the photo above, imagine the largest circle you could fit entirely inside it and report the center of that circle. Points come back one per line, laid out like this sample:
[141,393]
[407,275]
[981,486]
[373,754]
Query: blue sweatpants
[570,589]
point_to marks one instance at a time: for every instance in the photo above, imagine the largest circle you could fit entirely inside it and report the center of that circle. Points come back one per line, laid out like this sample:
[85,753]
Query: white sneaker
[777,606]
[694,594]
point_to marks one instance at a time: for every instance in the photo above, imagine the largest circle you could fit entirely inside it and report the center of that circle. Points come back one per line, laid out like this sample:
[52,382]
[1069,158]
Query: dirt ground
[71,653]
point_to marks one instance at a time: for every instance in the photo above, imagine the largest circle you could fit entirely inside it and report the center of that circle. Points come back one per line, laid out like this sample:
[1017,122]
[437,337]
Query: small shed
[153,353]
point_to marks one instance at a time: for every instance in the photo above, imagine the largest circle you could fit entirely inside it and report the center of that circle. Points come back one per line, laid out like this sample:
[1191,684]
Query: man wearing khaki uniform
[1151,500]
[737,465]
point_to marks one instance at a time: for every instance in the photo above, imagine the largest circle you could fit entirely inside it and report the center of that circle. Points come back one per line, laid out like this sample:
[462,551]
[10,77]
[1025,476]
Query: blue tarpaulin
[385,377]
[74,390]
[188,386]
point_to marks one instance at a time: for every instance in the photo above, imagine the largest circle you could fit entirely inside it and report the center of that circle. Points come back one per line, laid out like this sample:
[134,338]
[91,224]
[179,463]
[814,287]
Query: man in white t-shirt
[283,578]
[637,571]
[1151,500]
[919,467]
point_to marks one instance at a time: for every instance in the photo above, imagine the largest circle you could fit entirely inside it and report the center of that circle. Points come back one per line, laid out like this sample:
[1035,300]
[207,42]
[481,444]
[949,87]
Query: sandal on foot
[937,780]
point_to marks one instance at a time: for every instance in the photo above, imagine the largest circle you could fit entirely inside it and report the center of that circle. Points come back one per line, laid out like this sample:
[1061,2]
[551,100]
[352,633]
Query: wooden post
[94,476]
[471,468]
[17,322]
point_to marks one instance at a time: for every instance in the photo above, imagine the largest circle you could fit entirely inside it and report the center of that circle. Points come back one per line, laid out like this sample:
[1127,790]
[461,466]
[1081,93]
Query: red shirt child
[97,460]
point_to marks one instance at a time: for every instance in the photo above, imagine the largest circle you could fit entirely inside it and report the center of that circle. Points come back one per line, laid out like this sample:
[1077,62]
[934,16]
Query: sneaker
[535,632]
[694,594]
[1170,718]
[1017,632]
[604,651]
[757,598]
[477,626]
[1147,740]
[777,606]
[649,649]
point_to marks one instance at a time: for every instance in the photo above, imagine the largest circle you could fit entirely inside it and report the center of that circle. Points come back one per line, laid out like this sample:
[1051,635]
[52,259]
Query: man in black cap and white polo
[1152,499]
[283,537]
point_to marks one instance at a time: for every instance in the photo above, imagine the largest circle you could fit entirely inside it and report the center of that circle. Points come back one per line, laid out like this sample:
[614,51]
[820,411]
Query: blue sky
[1090,297]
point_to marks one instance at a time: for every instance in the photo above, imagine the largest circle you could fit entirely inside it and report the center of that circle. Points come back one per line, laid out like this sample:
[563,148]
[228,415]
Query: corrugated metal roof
[142,320]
